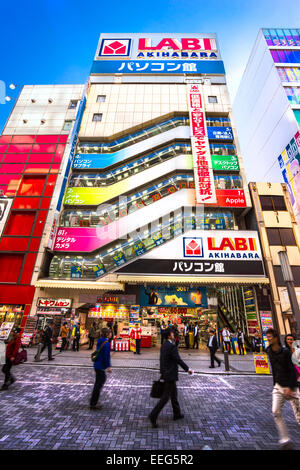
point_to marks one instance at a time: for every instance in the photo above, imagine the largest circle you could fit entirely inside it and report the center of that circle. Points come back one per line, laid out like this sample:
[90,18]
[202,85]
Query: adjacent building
[267,111]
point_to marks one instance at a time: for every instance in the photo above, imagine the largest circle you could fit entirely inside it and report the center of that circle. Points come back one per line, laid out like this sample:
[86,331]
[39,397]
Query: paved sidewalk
[48,408]
[149,358]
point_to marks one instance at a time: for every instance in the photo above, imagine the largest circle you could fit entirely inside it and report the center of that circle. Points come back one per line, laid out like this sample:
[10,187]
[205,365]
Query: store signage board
[181,296]
[231,198]
[289,163]
[47,302]
[204,253]
[155,53]
[203,174]
[219,133]
[225,162]
[261,363]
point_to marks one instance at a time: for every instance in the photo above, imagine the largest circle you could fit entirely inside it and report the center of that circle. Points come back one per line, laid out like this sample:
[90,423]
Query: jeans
[100,381]
[138,345]
[76,344]
[187,341]
[91,342]
[227,346]
[278,400]
[170,391]
[196,342]
[6,371]
[241,348]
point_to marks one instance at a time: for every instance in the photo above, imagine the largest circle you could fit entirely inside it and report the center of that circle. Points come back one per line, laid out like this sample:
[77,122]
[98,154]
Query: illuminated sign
[225,162]
[203,174]
[204,253]
[115,47]
[46,302]
[231,198]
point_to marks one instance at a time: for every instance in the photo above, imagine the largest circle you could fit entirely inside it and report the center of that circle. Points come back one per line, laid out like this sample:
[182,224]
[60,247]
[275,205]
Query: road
[47,408]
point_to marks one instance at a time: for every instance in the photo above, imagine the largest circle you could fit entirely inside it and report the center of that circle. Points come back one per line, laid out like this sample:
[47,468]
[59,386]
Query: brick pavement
[47,408]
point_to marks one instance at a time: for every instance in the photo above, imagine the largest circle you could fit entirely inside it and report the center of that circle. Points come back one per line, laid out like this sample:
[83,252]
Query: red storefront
[29,165]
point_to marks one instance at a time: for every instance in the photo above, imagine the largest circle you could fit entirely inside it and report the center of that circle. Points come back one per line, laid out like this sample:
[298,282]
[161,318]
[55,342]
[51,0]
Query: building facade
[272,215]
[33,150]
[267,111]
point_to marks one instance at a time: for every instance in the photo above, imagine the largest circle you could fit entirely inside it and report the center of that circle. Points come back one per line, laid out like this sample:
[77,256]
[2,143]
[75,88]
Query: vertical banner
[203,174]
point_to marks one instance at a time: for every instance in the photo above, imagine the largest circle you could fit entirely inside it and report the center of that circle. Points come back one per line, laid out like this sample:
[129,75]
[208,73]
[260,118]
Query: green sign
[225,162]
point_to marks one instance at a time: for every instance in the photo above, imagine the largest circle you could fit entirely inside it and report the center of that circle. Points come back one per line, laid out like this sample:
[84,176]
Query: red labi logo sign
[232,244]
[184,44]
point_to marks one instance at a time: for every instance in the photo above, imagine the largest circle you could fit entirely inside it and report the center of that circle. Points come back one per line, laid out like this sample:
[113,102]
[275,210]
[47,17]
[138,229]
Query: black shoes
[153,421]
[219,364]
[96,407]
[286,446]
[211,367]
[51,359]
[178,417]
[4,387]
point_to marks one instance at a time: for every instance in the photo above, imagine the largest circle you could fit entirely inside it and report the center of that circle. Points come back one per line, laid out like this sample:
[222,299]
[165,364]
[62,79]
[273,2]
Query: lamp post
[290,285]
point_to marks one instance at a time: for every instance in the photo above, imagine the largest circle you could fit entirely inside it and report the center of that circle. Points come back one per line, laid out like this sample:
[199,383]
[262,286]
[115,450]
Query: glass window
[273,236]
[20,223]
[13,264]
[101,98]
[67,125]
[266,203]
[279,203]
[97,117]
[272,203]
[212,99]
[32,186]
[287,236]
[73,104]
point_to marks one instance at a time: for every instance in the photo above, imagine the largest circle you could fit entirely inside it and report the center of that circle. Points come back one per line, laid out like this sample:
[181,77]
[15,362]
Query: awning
[82,285]
[197,280]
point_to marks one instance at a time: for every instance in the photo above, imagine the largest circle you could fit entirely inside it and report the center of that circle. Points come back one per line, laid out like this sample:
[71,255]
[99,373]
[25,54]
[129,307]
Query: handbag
[21,357]
[157,389]
[95,354]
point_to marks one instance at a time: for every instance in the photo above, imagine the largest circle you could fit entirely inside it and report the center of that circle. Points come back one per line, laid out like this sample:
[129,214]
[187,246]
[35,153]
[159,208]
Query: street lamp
[290,285]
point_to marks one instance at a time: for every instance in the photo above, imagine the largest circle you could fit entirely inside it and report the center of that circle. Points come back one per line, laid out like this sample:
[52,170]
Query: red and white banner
[46,302]
[203,174]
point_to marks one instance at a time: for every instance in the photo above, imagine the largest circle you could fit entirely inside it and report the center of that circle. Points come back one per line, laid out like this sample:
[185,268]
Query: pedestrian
[162,332]
[115,328]
[92,335]
[196,336]
[12,349]
[289,340]
[169,361]
[186,335]
[257,343]
[176,335]
[48,340]
[40,341]
[136,334]
[76,334]
[240,341]
[64,336]
[285,385]
[226,339]
[212,345]
[101,364]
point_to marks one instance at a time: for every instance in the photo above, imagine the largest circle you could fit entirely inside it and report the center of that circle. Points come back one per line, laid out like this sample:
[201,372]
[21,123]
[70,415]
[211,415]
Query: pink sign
[85,239]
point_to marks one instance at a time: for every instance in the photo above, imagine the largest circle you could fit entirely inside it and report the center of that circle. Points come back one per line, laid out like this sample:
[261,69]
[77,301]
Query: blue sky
[54,41]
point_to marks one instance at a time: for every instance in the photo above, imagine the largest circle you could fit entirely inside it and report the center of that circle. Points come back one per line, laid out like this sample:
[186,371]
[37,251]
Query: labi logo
[115,48]
[193,247]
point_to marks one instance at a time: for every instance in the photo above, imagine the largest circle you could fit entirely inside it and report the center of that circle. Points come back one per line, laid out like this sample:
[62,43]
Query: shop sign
[203,174]
[261,363]
[108,299]
[99,269]
[219,133]
[158,239]
[139,248]
[225,162]
[289,163]
[231,198]
[46,302]
[202,253]
[174,296]
[76,272]
[119,259]
[266,319]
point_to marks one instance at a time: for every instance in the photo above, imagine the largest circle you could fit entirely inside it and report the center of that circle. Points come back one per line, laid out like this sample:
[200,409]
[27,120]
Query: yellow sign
[132,345]
[261,363]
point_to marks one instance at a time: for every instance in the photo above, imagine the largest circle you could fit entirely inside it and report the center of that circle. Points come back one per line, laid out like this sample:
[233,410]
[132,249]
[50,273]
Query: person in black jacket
[169,361]
[212,345]
[48,339]
[257,343]
[285,385]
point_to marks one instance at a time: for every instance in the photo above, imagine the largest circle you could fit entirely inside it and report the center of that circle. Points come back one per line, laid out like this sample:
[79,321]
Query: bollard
[226,360]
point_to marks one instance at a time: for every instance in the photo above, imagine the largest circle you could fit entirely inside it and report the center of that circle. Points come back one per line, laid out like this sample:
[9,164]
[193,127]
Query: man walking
[101,364]
[196,336]
[92,335]
[169,361]
[64,336]
[136,334]
[12,349]
[186,335]
[48,340]
[77,335]
[285,385]
[226,339]
[212,345]
[257,343]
